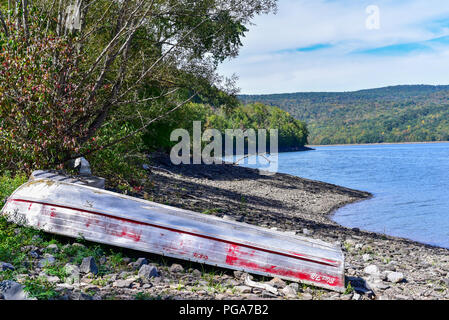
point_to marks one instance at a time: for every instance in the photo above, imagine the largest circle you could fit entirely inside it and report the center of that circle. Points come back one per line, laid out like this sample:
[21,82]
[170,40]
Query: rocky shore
[377,266]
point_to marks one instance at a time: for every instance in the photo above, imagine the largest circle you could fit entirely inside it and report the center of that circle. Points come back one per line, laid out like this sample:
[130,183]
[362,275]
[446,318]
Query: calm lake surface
[410,183]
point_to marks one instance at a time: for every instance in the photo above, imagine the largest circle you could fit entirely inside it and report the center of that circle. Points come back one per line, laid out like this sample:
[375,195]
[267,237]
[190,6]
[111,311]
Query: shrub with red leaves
[41,108]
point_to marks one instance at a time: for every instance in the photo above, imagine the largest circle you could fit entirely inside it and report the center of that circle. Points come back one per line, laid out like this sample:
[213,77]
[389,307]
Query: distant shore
[373,144]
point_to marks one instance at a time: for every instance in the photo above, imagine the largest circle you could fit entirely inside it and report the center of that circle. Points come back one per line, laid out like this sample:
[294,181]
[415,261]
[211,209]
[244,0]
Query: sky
[344,45]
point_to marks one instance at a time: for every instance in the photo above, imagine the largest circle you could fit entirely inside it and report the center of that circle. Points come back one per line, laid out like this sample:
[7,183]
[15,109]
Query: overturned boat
[76,210]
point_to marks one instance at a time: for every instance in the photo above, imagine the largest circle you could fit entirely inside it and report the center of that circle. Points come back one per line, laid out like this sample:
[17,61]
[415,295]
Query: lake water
[410,184]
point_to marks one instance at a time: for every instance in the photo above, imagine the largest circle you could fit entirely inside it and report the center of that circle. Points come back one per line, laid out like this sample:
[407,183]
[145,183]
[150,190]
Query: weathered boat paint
[106,217]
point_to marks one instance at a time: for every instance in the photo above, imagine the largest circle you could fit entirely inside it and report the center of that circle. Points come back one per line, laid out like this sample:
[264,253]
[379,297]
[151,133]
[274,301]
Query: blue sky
[324,45]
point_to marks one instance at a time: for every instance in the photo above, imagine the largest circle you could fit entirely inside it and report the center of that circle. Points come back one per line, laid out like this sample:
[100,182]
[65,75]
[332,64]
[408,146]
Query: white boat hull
[115,219]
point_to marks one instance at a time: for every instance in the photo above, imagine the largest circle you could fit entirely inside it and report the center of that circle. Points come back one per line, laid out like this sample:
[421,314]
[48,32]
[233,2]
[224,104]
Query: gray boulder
[11,290]
[73,273]
[146,272]
[4,266]
[53,248]
[277,283]
[176,268]
[89,266]
[46,261]
[139,263]
[289,291]
[294,286]
[372,270]
[395,277]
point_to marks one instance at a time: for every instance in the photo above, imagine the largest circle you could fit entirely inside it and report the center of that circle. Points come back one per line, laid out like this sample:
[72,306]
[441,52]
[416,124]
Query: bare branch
[132,134]
[4,24]
[148,99]
[25,19]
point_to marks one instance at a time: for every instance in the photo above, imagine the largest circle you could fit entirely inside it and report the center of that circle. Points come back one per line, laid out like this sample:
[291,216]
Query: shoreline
[377,266]
[374,144]
[290,203]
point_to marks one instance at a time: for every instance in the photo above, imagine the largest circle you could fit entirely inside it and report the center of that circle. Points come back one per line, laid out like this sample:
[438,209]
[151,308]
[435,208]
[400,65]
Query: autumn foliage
[40,103]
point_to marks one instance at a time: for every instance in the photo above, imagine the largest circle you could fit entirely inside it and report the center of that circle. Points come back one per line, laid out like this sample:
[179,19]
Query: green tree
[130,61]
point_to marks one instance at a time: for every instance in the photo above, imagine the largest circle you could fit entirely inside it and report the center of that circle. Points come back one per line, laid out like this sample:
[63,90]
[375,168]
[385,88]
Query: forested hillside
[292,133]
[390,114]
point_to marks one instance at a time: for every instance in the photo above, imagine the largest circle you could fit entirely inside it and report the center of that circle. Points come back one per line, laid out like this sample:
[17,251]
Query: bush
[42,110]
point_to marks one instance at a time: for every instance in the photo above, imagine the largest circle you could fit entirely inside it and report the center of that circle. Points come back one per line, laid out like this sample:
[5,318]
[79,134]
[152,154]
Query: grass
[14,238]
[8,184]
[349,289]
[210,211]
[40,288]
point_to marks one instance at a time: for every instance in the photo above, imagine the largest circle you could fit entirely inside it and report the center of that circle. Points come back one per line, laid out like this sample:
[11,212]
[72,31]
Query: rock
[73,273]
[376,284]
[123,283]
[446,282]
[294,286]
[366,257]
[83,166]
[306,296]
[78,245]
[176,268]
[35,254]
[80,296]
[139,263]
[103,260]
[395,277]
[89,265]
[146,272]
[289,291]
[125,274]
[359,285]
[4,266]
[306,232]
[47,261]
[196,273]
[356,296]
[87,279]
[268,295]
[243,289]
[64,286]
[232,282]
[53,248]
[53,279]
[277,283]
[36,238]
[372,270]
[11,290]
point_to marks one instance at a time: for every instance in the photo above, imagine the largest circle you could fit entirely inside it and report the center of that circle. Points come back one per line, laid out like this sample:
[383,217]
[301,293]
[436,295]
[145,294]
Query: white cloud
[266,66]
